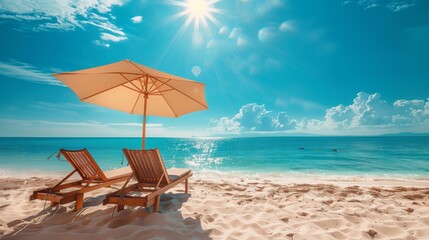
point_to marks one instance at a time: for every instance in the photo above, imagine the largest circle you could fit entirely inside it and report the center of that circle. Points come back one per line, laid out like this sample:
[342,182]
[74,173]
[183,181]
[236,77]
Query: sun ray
[204,23]
[213,19]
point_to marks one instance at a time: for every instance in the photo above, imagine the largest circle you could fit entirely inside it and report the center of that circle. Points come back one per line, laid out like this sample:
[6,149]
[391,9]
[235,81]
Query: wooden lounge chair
[92,178]
[152,179]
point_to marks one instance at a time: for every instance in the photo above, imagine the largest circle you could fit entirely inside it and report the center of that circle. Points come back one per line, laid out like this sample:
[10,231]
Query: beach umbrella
[136,89]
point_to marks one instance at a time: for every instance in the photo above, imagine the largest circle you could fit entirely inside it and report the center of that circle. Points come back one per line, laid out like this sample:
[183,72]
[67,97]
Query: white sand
[231,208]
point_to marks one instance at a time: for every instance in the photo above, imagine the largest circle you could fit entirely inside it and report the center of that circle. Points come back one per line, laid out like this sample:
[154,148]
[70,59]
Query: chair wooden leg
[79,201]
[186,186]
[156,204]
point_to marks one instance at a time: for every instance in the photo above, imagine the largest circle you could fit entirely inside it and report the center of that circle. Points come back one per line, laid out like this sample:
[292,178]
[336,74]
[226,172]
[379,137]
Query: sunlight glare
[200,12]
[198,8]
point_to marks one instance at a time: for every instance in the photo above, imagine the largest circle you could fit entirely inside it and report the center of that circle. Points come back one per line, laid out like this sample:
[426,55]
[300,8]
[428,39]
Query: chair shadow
[100,223]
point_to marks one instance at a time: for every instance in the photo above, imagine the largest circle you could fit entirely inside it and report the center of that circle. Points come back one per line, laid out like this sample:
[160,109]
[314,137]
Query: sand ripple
[226,209]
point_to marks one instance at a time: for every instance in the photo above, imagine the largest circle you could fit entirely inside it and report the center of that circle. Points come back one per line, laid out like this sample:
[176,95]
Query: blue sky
[274,67]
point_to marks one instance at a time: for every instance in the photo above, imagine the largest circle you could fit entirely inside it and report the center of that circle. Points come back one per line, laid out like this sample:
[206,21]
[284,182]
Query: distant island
[405,134]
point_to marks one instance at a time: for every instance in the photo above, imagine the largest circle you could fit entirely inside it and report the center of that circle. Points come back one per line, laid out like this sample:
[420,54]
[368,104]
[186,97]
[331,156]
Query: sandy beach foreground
[238,208]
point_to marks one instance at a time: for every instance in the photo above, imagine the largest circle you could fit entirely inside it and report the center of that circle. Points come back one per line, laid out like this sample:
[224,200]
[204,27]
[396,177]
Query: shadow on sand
[97,222]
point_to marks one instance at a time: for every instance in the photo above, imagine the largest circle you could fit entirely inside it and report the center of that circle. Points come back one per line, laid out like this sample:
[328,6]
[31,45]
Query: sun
[197,8]
[200,12]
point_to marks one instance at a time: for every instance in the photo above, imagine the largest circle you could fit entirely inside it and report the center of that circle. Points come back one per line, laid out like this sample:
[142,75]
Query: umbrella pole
[144,122]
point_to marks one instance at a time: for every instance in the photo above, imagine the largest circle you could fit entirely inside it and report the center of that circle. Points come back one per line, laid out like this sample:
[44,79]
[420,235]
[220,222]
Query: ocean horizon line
[234,136]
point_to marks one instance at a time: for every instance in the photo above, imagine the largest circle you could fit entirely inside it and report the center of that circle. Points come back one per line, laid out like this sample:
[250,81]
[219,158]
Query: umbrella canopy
[133,88]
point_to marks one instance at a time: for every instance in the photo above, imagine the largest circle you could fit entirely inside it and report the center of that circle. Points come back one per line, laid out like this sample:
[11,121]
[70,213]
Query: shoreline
[281,178]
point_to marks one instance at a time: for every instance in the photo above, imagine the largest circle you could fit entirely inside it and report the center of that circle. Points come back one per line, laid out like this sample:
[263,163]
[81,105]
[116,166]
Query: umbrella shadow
[99,222]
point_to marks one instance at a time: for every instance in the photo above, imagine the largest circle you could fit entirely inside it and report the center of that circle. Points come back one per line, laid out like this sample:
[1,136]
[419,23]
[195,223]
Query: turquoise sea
[398,156]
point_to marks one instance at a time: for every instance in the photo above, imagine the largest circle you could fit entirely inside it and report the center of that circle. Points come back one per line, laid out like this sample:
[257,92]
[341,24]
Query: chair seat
[117,173]
[176,173]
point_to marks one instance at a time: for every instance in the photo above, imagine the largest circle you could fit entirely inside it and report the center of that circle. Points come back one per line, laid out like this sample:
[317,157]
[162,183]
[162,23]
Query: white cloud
[371,6]
[106,26]
[225,125]
[100,43]
[55,26]
[235,33]
[368,114]
[366,110]
[113,38]
[397,6]
[267,34]
[253,118]
[20,17]
[223,30]
[137,19]
[27,72]
[393,5]
[370,110]
[239,38]
[411,111]
[61,15]
[283,122]
[241,42]
[287,26]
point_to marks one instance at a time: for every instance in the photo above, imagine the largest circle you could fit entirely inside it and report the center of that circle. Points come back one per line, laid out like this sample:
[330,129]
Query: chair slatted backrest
[85,165]
[147,165]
